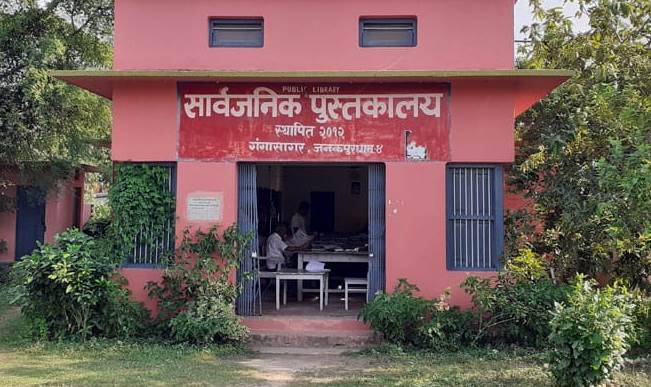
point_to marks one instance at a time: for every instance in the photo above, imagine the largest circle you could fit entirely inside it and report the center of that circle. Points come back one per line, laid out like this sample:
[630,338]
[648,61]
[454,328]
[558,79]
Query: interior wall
[297,182]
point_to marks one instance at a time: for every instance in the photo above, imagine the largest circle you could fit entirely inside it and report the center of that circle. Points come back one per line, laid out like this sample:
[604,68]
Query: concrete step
[304,324]
[312,339]
[300,351]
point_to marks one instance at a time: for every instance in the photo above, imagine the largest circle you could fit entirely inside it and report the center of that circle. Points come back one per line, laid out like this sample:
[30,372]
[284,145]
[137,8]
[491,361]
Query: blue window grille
[236,32]
[475,224]
[375,32]
[151,250]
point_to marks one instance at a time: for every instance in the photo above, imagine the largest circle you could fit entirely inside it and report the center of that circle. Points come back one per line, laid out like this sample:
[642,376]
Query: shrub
[589,334]
[447,330]
[100,221]
[398,316]
[71,289]
[641,333]
[196,297]
[510,311]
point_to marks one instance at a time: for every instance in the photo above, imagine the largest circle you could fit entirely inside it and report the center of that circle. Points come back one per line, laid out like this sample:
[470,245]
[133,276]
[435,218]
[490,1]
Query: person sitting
[277,247]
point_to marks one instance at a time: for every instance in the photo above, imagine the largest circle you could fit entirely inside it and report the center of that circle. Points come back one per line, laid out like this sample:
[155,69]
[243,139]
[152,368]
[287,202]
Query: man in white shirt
[277,247]
[298,220]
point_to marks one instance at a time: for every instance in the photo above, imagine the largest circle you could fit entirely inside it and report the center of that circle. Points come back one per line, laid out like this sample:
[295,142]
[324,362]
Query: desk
[328,256]
[300,275]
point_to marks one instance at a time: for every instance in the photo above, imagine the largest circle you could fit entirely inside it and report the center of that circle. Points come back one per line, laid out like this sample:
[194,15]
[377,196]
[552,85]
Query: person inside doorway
[278,248]
[298,220]
[300,237]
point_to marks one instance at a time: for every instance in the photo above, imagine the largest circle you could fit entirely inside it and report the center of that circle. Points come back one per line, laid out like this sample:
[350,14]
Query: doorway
[30,219]
[346,215]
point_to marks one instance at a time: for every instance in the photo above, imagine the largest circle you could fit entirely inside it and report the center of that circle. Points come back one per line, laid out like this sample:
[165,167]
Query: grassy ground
[109,362]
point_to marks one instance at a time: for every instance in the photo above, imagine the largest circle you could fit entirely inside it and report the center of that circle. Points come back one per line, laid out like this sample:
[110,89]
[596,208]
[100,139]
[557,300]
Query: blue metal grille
[376,229]
[475,230]
[247,222]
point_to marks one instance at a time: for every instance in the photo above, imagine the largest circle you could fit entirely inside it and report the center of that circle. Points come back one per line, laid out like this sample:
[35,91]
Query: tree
[584,152]
[47,128]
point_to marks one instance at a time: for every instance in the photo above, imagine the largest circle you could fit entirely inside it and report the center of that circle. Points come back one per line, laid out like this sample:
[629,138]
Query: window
[375,32]
[236,32]
[475,228]
[149,250]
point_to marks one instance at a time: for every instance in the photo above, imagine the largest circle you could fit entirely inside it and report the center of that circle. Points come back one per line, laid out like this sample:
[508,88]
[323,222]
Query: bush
[99,222]
[513,312]
[398,316]
[406,319]
[590,334]
[447,330]
[641,334]
[196,297]
[208,319]
[71,289]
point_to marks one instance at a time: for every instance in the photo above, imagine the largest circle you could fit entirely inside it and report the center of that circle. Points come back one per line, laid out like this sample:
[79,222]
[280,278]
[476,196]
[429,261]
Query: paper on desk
[315,266]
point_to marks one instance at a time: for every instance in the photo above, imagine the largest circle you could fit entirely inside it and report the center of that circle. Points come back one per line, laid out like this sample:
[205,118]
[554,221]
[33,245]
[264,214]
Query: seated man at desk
[277,247]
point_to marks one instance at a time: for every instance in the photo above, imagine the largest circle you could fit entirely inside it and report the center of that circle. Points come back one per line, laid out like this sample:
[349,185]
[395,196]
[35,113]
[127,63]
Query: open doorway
[340,229]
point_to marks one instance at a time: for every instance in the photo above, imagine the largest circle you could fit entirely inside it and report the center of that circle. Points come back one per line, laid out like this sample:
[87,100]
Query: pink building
[394,119]
[38,216]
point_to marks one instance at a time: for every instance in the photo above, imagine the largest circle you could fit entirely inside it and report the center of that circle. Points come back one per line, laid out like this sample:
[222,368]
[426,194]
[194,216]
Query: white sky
[522,15]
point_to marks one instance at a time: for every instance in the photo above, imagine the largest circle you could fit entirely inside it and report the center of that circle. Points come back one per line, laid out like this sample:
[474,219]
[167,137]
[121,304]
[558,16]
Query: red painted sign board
[313,121]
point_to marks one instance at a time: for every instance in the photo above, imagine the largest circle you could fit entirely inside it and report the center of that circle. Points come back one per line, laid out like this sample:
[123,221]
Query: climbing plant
[141,199]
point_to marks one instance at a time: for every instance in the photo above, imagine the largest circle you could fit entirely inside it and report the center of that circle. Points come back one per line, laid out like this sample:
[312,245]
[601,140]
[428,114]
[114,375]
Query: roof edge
[227,74]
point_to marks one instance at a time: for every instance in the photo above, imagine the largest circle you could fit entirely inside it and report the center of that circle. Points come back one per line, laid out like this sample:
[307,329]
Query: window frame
[363,43]
[497,217]
[253,21]
[172,237]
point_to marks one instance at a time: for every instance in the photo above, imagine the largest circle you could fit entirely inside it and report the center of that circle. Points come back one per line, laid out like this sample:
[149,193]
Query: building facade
[420,94]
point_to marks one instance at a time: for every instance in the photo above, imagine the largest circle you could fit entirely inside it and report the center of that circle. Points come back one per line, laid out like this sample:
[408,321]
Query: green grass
[24,362]
[479,367]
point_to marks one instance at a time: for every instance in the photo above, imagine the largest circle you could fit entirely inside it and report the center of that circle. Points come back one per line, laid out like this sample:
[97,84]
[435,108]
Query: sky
[522,15]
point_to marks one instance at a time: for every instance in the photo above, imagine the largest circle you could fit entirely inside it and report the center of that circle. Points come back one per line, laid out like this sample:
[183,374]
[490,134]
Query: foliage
[211,318]
[196,297]
[140,199]
[526,266]
[590,334]
[47,128]
[398,315]
[584,152]
[514,307]
[641,332]
[99,222]
[404,318]
[447,330]
[71,289]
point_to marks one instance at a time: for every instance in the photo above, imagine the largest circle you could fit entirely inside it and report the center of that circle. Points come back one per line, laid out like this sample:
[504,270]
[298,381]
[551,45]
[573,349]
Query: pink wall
[59,215]
[415,229]
[59,211]
[482,127]
[144,121]
[8,228]
[313,35]
[192,177]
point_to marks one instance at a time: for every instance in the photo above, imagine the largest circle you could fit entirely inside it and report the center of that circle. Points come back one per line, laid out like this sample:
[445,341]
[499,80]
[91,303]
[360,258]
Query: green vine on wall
[141,200]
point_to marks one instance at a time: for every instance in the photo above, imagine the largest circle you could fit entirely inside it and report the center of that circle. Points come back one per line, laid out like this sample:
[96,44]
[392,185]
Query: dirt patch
[286,369]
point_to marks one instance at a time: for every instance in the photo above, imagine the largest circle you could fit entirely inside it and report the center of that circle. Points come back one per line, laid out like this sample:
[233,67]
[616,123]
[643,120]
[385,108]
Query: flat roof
[531,85]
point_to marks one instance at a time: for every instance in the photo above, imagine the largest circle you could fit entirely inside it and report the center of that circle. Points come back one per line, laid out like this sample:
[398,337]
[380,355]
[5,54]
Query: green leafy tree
[584,152]
[48,128]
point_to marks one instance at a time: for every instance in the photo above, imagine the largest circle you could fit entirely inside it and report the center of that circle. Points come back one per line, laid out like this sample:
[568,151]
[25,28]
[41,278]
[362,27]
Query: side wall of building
[59,215]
